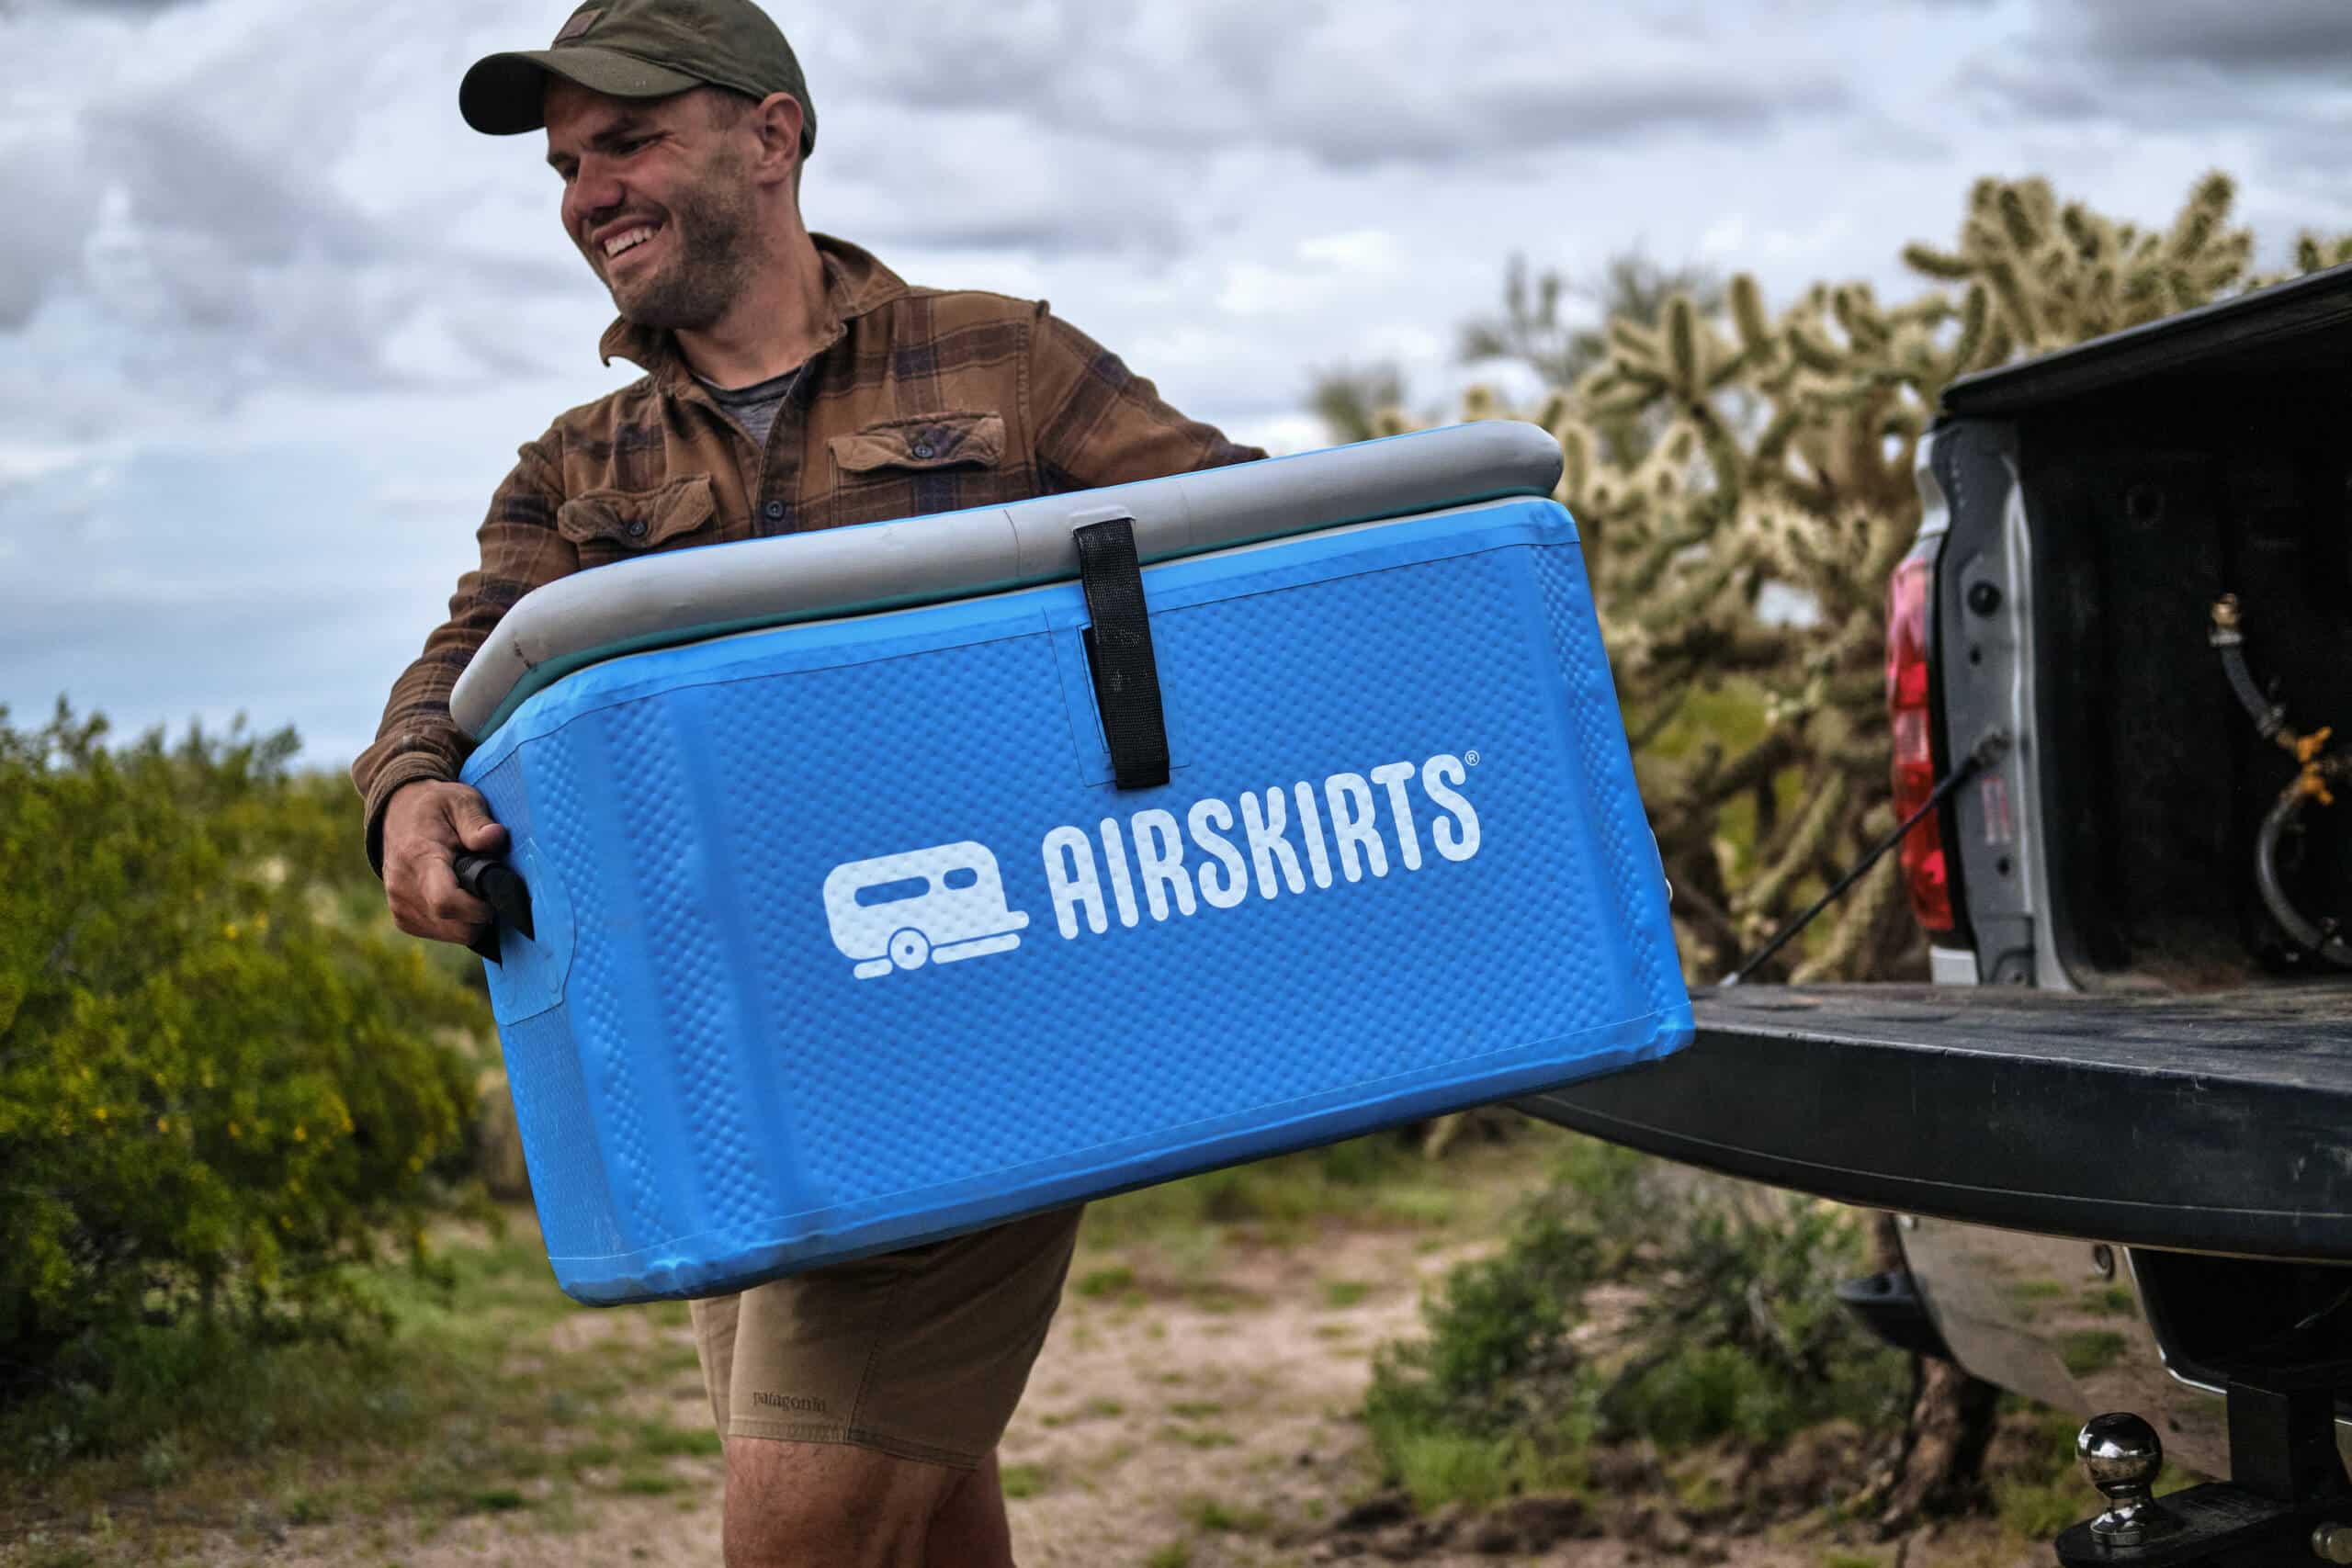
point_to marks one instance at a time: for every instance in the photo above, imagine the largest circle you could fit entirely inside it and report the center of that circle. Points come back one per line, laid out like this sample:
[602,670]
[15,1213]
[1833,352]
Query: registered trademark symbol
[1471,758]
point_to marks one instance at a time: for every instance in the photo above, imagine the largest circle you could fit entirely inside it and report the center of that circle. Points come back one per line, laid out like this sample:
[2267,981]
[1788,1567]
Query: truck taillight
[1908,688]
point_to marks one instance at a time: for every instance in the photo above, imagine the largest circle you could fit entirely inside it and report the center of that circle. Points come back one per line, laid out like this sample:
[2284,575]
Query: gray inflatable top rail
[686,596]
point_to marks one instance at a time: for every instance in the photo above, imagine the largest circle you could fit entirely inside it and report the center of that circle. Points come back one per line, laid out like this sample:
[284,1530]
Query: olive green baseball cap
[640,48]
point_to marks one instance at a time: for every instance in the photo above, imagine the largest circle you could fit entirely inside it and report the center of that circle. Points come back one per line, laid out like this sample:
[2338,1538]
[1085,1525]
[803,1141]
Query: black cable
[2320,941]
[1989,750]
[2228,639]
[2267,715]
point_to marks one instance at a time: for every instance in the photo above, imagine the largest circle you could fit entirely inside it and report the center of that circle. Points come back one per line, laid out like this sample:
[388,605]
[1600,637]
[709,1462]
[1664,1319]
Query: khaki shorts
[920,1354]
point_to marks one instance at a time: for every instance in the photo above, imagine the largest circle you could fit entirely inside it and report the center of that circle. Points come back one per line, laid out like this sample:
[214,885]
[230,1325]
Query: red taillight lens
[1915,762]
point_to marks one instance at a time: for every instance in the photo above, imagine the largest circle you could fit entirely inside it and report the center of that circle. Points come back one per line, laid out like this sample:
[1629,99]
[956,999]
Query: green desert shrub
[1630,1301]
[220,1088]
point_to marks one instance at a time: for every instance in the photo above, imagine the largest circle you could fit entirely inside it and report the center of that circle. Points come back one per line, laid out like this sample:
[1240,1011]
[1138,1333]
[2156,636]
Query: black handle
[501,886]
[1118,652]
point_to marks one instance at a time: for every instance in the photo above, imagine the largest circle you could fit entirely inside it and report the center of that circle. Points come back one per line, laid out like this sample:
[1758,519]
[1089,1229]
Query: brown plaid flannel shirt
[920,400]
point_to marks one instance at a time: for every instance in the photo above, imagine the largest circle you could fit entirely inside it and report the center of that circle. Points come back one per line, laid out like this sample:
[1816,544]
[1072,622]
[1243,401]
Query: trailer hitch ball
[2121,1454]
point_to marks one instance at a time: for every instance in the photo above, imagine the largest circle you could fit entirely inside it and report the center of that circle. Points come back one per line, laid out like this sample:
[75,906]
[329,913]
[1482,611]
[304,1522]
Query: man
[793,382]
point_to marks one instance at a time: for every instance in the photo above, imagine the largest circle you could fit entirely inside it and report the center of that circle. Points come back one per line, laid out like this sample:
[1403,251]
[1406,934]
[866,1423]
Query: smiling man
[792,382]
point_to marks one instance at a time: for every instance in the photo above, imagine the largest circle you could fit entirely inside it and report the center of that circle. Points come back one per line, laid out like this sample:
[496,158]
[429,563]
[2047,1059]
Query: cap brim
[500,96]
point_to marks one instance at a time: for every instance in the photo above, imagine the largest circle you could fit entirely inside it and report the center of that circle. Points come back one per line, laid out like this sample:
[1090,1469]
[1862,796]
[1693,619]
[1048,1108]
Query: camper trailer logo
[1286,842]
[903,911]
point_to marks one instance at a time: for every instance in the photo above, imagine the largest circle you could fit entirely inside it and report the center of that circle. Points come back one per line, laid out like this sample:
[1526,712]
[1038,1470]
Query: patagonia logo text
[800,1402]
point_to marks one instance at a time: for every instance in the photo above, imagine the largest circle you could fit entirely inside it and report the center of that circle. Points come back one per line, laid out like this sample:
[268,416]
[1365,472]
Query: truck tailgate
[2215,1123]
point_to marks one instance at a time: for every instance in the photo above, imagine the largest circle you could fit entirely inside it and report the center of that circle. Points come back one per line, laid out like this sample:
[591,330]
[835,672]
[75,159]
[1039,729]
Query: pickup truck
[2117,1123]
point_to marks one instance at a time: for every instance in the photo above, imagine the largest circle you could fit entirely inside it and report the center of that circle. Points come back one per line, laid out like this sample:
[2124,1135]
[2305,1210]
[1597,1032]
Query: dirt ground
[1213,1415]
[1193,1408]
[1214,1427]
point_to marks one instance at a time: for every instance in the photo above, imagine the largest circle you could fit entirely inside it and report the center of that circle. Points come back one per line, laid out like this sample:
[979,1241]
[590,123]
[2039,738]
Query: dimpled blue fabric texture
[738,1050]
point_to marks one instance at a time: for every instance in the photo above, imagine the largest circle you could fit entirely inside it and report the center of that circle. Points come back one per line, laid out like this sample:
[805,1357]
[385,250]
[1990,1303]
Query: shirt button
[637,527]
[774,509]
[923,449]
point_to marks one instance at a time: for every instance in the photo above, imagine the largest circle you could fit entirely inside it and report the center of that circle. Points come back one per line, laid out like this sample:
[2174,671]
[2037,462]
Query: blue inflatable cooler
[886,882]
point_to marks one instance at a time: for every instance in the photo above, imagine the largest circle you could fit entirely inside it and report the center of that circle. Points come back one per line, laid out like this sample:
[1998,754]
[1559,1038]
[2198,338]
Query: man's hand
[425,824]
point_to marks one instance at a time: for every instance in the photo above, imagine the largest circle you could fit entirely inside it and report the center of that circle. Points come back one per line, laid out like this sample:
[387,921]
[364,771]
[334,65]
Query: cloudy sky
[273,322]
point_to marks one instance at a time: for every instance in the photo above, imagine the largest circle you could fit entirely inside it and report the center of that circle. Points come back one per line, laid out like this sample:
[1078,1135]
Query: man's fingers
[427,902]
[450,904]
[476,830]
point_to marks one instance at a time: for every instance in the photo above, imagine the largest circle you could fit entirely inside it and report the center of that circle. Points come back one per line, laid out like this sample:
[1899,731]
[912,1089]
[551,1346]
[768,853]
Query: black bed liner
[2216,1122]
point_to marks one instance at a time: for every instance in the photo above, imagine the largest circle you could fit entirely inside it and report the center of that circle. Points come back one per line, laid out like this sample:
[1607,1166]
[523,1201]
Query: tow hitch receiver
[2287,1500]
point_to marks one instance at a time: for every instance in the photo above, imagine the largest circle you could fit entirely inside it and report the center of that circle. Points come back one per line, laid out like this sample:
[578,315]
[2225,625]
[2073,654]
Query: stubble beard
[711,226]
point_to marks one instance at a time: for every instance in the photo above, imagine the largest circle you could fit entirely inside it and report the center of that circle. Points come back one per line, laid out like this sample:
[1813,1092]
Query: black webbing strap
[1118,651]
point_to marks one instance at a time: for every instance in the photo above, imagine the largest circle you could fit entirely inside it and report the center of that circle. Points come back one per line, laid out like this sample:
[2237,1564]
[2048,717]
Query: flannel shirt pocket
[922,442]
[604,523]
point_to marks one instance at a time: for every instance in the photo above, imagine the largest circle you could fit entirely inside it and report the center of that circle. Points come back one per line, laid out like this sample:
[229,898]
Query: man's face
[656,198]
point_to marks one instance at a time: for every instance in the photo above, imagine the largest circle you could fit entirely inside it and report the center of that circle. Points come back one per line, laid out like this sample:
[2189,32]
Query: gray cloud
[53,179]
[2307,189]
[1529,116]
[2038,91]
[185,174]
[992,180]
[1370,83]
[119,7]
[241,225]
[2291,37]
[242,247]
[2167,64]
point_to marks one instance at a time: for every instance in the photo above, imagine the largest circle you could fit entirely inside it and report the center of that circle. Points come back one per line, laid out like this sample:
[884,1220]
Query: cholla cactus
[1744,485]
[2058,275]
